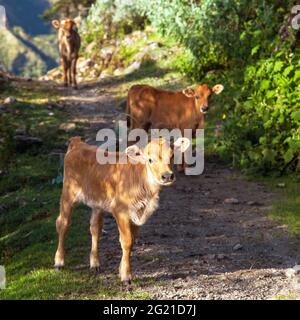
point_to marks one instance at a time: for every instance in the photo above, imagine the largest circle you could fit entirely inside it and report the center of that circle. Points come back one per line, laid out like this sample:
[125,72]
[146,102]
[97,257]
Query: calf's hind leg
[96,224]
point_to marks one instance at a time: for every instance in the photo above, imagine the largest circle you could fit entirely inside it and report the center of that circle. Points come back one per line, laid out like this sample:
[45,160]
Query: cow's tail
[73,143]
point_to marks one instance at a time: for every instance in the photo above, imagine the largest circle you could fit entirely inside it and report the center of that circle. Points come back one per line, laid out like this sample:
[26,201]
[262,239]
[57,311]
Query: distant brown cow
[128,190]
[69,45]
[148,107]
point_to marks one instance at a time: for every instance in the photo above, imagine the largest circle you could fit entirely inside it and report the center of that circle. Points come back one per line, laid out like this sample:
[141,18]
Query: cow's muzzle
[167,178]
[204,109]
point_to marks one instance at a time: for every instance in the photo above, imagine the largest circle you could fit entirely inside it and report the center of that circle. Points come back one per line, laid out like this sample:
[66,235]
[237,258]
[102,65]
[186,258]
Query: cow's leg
[73,67]
[70,73]
[96,225]
[65,71]
[126,240]
[63,221]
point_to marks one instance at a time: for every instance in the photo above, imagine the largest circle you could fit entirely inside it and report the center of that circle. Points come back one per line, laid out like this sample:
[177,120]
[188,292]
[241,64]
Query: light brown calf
[69,44]
[129,191]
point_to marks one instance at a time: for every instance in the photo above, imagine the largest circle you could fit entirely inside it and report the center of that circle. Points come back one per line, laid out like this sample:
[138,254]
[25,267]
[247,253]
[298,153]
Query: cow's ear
[218,88]
[189,92]
[56,24]
[135,153]
[182,144]
[77,21]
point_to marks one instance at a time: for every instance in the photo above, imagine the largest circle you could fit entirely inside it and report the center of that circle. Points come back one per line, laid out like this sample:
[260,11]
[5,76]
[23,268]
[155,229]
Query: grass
[286,208]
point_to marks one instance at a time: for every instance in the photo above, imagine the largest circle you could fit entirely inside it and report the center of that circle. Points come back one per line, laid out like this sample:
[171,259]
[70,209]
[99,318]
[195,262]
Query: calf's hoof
[126,283]
[180,168]
[58,268]
[95,269]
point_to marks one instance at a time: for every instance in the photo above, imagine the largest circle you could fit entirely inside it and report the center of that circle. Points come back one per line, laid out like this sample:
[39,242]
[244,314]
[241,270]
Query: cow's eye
[150,160]
[197,97]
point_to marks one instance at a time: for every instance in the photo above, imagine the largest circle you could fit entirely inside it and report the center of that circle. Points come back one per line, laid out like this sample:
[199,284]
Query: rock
[21,131]
[237,246]
[85,64]
[231,201]
[67,127]
[133,67]
[90,47]
[104,74]
[118,72]
[253,203]
[24,142]
[280,185]
[54,74]
[292,272]
[2,108]
[10,100]
[221,256]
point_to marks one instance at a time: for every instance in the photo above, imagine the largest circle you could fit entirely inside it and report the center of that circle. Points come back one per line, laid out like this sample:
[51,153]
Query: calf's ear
[218,88]
[135,153]
[56,24]
[189,92]
[77,21]
[182,144]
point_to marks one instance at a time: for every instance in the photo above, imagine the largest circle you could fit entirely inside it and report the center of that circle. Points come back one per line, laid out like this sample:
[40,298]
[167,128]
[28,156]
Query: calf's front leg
[126,239]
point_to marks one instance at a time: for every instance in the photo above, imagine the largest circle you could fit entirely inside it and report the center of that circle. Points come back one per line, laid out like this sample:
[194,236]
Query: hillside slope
[27,47]
[27,14]
[26,56]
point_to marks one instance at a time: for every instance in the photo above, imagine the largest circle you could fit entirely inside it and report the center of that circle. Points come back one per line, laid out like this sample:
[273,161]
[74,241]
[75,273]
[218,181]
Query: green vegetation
[286,208]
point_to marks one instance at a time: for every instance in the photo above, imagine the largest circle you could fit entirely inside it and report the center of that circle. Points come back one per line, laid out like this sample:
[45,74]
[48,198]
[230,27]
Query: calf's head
[157,156]
[201,94]
[66,27]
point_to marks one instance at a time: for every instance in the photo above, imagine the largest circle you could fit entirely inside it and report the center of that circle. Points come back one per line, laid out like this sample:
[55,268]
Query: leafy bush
[263,128]
[111,19]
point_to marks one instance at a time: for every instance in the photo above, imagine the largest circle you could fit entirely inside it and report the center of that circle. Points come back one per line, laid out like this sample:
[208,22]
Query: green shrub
[263,128]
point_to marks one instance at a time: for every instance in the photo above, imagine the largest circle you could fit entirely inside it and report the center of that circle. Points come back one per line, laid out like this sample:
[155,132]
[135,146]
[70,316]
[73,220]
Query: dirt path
[195,246]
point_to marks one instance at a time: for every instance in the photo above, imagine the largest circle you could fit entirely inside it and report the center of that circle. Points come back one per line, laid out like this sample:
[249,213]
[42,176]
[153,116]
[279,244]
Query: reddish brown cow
[128,190]
[69,45]
[148,107]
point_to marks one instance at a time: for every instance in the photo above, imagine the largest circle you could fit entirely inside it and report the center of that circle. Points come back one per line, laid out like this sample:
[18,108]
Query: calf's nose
[168,177]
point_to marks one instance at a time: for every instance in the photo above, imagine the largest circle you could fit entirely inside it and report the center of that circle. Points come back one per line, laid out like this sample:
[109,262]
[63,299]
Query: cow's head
[66,27]
[157,156]
[201,94]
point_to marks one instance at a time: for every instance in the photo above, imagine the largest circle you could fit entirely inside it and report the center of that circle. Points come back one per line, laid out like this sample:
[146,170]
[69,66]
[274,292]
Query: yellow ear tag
[224,116]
